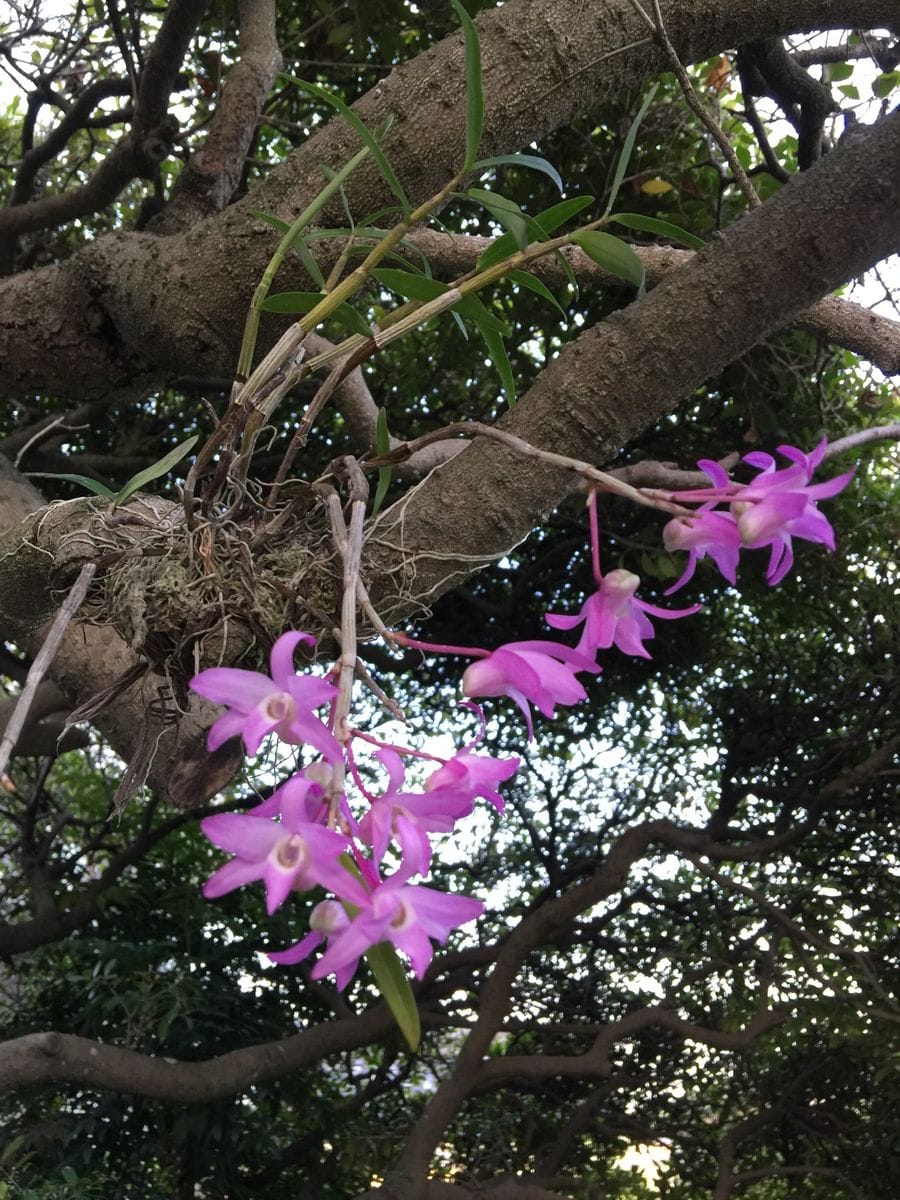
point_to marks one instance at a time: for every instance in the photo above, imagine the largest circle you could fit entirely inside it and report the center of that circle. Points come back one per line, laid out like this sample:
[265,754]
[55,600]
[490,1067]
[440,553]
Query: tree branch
[141,150]
[212,174]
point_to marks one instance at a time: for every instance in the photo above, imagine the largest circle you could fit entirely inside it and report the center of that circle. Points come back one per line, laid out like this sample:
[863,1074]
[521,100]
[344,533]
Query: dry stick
[45,657]
[693,100]
[350,542]
[609,483]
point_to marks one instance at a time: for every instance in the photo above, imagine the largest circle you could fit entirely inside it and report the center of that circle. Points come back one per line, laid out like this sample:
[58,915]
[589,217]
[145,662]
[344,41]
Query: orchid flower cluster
[308,834]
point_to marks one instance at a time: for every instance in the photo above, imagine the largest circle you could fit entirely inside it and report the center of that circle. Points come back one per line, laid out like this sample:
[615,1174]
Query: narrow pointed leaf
[493,339]
[163,467]
[532,161]
[523,279]
[409,285]
[654,225]
[382,446]
[551,218]
[392,981]
[508,214]
[474,93]
[92,485]
[502,247]
[298,245]
[612,254]
[368,138]
[627,148]
[304,302]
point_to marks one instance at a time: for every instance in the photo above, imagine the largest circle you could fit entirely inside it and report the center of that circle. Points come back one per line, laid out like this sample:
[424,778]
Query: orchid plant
[369,849]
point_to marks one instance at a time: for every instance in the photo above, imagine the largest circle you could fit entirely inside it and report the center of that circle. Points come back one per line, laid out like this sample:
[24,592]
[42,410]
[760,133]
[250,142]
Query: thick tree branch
[619,377]
[129,304]
[213,172]
[45,1057]
[842,322]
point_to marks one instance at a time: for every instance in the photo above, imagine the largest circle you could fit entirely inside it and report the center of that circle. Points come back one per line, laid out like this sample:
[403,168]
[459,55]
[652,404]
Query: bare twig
[42,661]
[657,26]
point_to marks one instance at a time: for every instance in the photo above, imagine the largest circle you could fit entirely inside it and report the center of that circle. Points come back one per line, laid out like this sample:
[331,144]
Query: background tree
[690,939]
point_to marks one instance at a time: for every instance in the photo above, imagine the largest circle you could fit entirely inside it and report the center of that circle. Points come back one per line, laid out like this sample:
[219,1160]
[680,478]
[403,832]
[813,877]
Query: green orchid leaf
[382,446]
[532,161]
[654,225]
[393,984]
[368,138]
[508,214]
[523,279]
[163,467]
[627,148]
[92,485]
[304,302]
[612,254]
[474,92]
[557,214]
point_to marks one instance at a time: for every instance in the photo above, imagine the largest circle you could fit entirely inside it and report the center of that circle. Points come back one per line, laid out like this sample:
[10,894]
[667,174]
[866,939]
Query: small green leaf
[474,93]
[523,279]
[92,485]
[368,138]
[508,214]
[850,90]
[391,980]
[304,302]
[835,72]
[654,225]
[423,287]
[409,285]
[165,464]
[886,83]
[298,245]
[493,339]
[382,446]
[551,218]
[532,161]
[612,254]
[502,247]
[627,148]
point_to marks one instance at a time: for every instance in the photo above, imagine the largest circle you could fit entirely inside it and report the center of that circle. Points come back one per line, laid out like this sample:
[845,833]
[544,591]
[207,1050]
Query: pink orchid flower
[410,817]
[474,775]
[535,672]
[781,504]
[292,855]
[614,616]
[326,921]
[260,704]
[705,532]
[409,916]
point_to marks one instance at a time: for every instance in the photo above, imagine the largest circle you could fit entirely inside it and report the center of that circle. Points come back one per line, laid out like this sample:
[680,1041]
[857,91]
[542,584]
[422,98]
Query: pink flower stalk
[780,505]
[614,616]
[410,817]
[536,672]
[406,915]
[474,775]
[260,704]
[291,856]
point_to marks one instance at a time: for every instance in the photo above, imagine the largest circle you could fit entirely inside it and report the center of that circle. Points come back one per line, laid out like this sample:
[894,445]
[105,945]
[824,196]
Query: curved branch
[179,306]
[141,150]
[213,172]
[845,323]
[46,1057]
